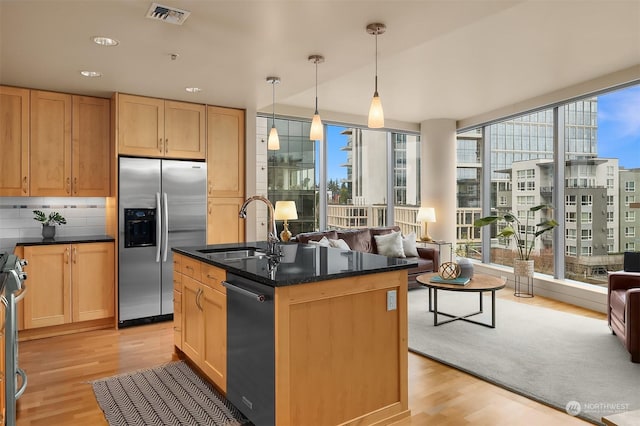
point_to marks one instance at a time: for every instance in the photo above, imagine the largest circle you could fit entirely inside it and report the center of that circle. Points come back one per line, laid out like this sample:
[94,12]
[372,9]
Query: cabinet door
[191,318]
[48,298]
[14,141]
[91,147]
[225,152]
[140,126]
[223,223]
[184,130]
[50,157]
[92,279]
[214,349]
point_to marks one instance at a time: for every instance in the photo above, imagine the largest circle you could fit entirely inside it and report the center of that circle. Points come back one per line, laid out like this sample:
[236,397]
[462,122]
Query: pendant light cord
[273,103]
[316,61]
[376,92]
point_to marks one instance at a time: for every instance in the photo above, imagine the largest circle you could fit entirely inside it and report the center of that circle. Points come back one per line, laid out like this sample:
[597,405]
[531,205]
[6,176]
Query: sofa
[363,240]
[623,310]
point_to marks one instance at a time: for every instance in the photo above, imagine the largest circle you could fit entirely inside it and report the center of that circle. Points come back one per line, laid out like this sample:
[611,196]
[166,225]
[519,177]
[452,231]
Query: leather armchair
[623,310]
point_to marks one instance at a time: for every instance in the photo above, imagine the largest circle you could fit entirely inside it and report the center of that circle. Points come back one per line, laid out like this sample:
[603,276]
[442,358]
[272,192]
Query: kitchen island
[316,335]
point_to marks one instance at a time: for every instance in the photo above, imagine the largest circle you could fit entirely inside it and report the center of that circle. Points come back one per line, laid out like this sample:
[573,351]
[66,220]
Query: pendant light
[376,115]
[273,143]
[317,130]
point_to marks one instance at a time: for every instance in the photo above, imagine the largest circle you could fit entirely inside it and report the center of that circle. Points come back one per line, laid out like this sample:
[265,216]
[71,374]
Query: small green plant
[524,241]
[54,218]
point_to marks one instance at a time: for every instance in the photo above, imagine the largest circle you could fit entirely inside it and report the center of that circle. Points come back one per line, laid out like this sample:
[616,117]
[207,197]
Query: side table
[440,244]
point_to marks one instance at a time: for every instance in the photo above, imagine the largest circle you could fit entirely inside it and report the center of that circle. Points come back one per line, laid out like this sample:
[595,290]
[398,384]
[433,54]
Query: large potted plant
[49,222]
[524,241]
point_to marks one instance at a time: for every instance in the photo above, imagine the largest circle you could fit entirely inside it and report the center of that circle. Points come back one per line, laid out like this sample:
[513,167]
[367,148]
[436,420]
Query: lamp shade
[317,131]
[426,214]
[376,115]
[285,210]
[273,143]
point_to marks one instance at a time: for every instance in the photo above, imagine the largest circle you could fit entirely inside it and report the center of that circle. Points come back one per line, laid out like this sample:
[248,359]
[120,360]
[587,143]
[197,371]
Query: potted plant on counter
[49,222]
[524,241]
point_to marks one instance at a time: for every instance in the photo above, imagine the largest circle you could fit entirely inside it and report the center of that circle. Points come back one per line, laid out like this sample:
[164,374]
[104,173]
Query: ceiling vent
[168,14]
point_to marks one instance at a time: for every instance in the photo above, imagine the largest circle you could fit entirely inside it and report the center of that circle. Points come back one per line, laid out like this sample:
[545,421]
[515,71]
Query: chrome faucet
[272,238]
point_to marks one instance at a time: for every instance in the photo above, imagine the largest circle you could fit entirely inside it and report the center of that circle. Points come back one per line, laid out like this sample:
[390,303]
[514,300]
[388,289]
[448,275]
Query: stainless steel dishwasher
[251,349]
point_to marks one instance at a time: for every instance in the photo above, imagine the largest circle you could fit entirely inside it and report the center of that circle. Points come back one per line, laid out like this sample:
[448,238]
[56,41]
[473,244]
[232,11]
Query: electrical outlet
[392,300]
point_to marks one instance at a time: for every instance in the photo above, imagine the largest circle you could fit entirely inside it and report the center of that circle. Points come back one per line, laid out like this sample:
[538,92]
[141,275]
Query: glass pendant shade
[317,130]
[273,143]
[376,115]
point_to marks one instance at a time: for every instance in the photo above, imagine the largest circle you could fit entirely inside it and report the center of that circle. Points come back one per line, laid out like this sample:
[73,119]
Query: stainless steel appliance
[251,349]
[13,290]
[162,204]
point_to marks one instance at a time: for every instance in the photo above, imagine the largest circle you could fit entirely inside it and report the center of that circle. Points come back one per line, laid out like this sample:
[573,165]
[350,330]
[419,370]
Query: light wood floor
[60,369]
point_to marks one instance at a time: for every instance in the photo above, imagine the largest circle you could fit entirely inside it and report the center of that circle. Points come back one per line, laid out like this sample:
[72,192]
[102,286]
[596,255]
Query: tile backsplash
[85,216]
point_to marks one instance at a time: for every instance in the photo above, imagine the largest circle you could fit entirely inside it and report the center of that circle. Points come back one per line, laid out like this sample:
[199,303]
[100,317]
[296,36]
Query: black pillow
[632,261]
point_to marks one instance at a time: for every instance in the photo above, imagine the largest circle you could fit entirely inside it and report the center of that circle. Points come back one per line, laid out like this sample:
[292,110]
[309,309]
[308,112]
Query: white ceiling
[438,59]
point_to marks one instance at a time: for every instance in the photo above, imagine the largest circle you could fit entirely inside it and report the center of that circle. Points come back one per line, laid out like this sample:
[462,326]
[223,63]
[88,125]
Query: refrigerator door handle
[158,227]
[165,217]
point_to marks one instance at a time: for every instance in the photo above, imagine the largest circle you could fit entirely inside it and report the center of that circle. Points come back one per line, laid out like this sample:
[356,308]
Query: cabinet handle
[198,295]
[24,184]
[68,185]
[66,256]
[210,277]
[75,255]
[209,185]
[166,146]
[160,144]
[75,185]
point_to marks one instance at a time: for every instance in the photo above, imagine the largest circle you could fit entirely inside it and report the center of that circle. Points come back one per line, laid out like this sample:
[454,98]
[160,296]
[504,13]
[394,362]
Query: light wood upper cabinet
[70,148]
[69,283]
[91,145]
[225,152]
[184,130]
[50,157]
[151,127]
[14,141]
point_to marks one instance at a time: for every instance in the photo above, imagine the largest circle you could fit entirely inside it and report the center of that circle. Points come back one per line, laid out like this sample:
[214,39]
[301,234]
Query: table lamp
[426,215]
[285,210]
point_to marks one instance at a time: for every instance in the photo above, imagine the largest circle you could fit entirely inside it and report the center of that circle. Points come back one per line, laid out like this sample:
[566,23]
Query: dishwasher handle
[256,296]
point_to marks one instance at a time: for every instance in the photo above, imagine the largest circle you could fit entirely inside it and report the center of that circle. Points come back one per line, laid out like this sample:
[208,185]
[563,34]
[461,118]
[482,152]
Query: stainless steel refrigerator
[162,204]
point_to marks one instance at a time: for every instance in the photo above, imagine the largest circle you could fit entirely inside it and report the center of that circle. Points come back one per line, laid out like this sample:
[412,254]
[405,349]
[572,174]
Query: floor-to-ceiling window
[597,148]
[292,172]
[359,163]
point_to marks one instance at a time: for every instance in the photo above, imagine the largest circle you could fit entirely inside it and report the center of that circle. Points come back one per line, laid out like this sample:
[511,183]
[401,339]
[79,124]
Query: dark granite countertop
[38,241]
[299,263]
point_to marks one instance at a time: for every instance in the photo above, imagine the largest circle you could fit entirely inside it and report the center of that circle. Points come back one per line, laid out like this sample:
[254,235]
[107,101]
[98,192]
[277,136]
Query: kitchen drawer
[177,262]
[177,281]
[191,267]
[213,277]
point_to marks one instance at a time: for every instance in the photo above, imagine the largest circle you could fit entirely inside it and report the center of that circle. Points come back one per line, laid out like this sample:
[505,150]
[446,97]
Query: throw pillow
[339,243]
[324,242]
[409,245]
[390,245]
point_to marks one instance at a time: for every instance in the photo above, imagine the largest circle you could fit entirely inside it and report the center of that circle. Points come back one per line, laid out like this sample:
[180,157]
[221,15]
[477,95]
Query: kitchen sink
[234,254]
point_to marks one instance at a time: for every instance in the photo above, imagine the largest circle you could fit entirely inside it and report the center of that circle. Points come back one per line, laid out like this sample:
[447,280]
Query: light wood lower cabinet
[204,319]
[68,283]
[177,300]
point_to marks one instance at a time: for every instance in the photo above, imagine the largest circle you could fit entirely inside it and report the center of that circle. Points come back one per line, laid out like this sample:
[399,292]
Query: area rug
[567,361]
[172,394]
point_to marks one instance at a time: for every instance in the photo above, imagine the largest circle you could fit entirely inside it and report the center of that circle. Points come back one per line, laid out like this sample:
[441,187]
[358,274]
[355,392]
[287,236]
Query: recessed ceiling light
[91,73]
[193,89]
[105,41]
